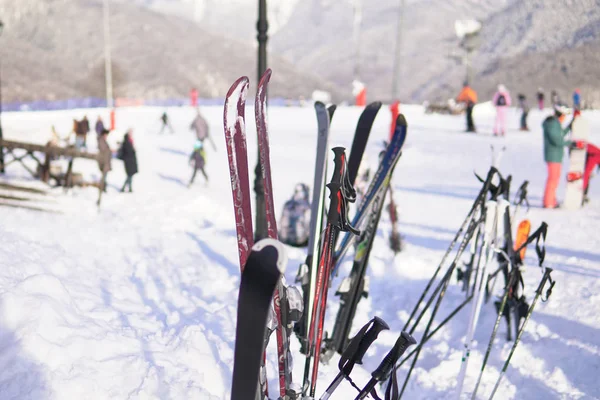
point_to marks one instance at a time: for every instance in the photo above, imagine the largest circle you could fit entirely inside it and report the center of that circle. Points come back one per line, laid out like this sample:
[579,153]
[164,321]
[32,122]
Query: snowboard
[580,130]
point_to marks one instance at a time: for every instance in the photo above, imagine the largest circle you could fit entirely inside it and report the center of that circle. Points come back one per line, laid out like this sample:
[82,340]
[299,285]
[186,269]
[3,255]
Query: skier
[85,128]
[128,155]
[200,126]
[554,98]
[554,144]
[165,123]
[197,161]
[104,157]
[469,97]
[540,98]
[79,134]
[577,99]
[592,160]
[525,110]
[501,101]
[99,126]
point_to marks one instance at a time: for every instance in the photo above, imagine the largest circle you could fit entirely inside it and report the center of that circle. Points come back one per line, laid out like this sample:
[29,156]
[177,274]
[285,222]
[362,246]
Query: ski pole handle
[339,164]
[360,343]
[336,204]
[404,341]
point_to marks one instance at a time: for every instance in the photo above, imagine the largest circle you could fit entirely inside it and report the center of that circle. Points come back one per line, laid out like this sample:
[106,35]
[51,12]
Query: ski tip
[282,258]
[401,120]
[375,104]
[319,105]
[266,76]
[242,81]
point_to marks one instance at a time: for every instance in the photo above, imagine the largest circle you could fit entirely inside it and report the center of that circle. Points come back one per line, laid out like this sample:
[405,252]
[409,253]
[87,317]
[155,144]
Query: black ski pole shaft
[355,351]
[433,332]
[383,370]
[538,293]
[444,282]
[493,335]
[479,200]
[437,271]
[433,313]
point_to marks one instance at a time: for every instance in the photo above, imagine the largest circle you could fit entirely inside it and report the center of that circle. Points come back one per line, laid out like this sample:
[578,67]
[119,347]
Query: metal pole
[107,59]
[396,71]
[1,147]
[262,27]
[356,36]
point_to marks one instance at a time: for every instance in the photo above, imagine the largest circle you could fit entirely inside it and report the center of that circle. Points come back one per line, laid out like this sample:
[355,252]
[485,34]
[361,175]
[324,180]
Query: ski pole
[546,277]
[491,218]
[404,341]
[493,335]
[336,220]
[443,283]
[355,351]
[444,286]
[478,200]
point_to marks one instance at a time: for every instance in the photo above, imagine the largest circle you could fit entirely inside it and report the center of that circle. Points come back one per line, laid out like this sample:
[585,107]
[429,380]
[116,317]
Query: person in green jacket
[554,144]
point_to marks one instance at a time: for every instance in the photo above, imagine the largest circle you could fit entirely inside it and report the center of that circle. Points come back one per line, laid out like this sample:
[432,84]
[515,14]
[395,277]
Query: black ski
[260,277]
[361,136]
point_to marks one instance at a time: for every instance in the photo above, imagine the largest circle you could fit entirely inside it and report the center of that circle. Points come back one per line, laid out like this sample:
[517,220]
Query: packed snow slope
[137,300]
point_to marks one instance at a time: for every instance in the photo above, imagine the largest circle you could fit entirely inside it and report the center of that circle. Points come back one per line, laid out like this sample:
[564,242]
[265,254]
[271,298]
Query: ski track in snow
[138,300]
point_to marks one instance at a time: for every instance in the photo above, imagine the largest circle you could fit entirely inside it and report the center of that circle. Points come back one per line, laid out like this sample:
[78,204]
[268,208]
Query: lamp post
[262,27]
[107,58]
[396,70]
[1,147]
[468,33]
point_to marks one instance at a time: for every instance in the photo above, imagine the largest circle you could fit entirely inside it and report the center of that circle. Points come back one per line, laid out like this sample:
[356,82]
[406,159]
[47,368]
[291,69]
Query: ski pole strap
[521,195]
[391,393]
[544,279]
[540,249]
[540,245]
[360,343]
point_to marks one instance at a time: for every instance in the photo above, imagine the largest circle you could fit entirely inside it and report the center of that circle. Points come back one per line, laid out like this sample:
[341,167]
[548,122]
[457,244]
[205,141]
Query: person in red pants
[592,160]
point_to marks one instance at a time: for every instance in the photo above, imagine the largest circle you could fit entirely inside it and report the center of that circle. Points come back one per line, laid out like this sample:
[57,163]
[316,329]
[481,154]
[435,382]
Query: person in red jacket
[592,160]
[395,110]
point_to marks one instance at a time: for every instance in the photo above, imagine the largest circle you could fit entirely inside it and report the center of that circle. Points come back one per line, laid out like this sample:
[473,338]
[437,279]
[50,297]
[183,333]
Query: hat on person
[561,109]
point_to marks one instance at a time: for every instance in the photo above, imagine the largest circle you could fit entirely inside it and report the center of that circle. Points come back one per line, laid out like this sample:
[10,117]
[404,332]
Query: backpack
[294,227]
[501,101]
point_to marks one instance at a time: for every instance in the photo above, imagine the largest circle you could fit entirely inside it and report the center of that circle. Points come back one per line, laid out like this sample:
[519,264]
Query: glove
[578,144]
[576,113]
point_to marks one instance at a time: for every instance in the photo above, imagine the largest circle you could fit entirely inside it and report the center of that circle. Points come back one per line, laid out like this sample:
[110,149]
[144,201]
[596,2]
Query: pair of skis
[263,255]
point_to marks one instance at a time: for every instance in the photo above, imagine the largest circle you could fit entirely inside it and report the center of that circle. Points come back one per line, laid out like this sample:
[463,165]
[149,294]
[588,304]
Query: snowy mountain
[54,50]
[521,41]
[524,44]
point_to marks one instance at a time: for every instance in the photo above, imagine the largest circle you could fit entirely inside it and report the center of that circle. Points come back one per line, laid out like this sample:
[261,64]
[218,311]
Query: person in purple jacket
[501,101]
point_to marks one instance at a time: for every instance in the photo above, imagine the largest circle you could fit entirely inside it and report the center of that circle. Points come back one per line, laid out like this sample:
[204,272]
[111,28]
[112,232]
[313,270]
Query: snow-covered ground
[137,300]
